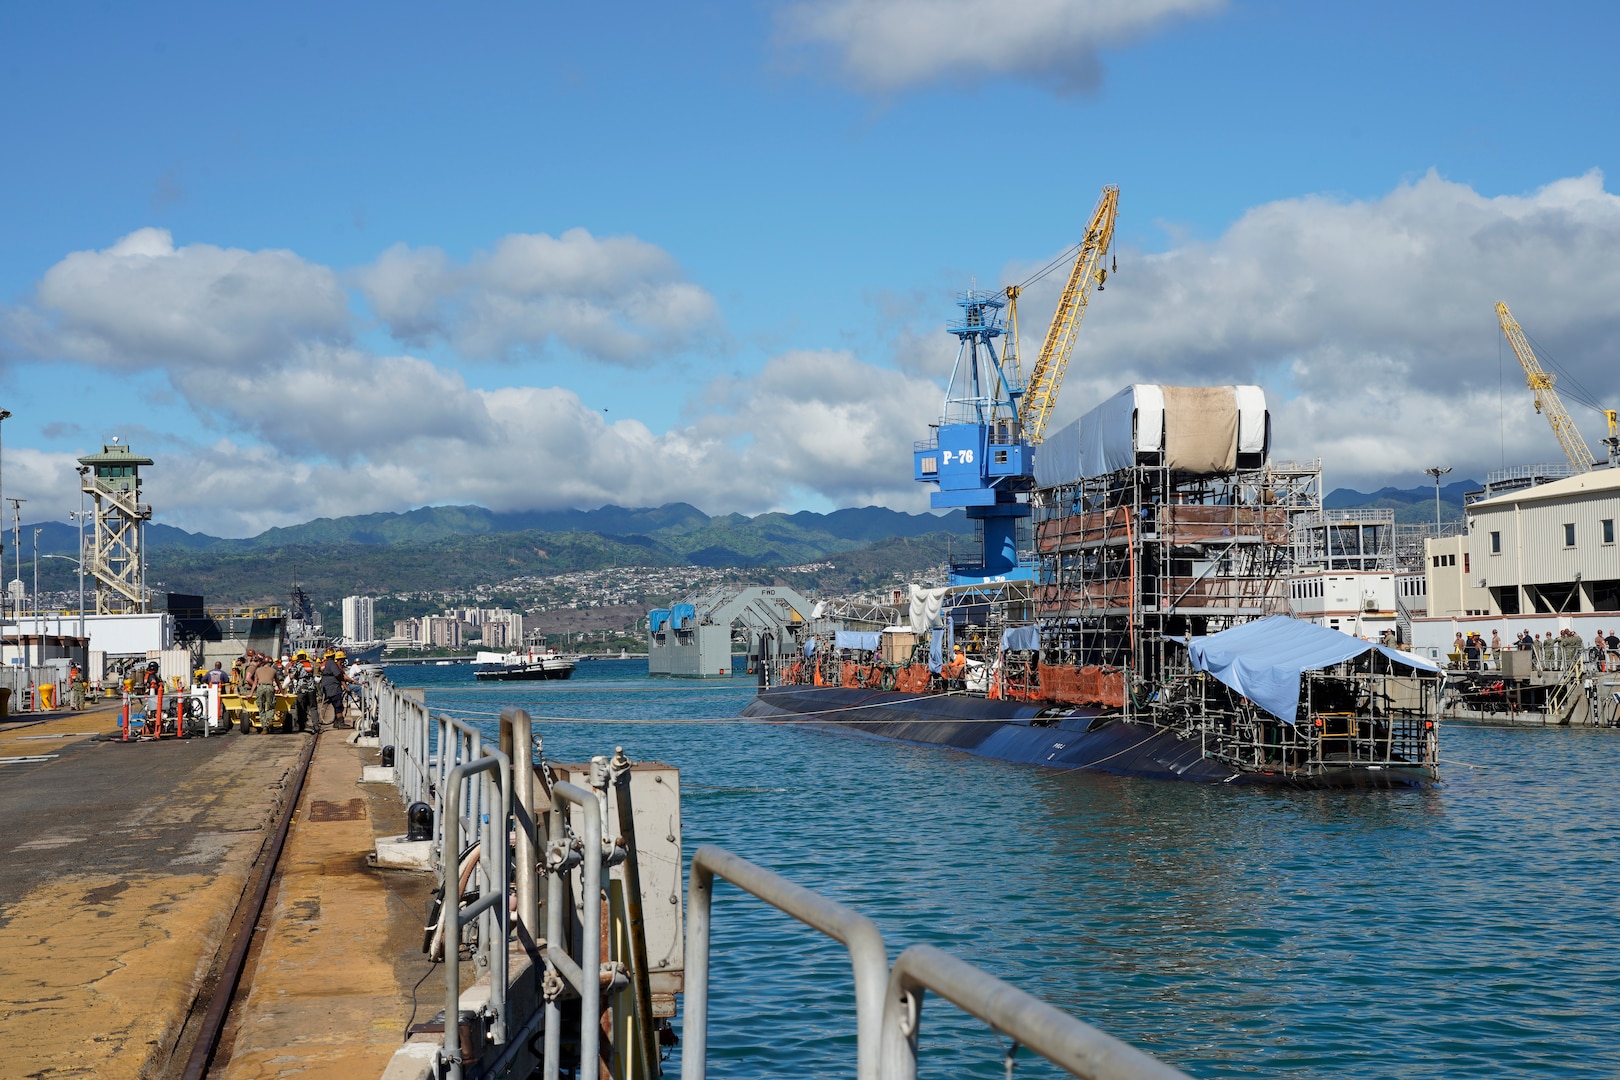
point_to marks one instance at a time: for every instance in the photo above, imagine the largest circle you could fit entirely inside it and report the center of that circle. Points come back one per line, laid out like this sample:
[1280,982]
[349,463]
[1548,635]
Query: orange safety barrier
[913,679]
[1089,685]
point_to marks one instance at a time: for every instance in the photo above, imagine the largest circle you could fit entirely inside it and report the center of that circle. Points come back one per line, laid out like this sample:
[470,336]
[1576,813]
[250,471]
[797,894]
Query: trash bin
[5,702]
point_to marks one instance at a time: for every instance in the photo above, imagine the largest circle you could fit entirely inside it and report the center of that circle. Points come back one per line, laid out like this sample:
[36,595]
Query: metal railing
[482,796]
[888,1002]
[490,911]
[867,953]
[405,724]
[583,977]
[483,828]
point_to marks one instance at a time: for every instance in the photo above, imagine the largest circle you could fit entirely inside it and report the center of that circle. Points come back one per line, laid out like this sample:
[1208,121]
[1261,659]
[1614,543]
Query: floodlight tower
[116,556]
[978,455]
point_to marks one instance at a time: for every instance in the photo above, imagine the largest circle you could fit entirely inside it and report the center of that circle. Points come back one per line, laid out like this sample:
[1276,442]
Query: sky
[321,259]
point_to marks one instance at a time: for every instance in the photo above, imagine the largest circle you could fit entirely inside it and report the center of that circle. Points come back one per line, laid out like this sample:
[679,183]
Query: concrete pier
[128,873]
[124,866]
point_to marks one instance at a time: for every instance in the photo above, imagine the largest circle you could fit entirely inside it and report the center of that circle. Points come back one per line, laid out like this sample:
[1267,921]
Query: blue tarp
[1021,639]
[936,651]
[809,648]
[1263,660]
[656,618]
[683,616]
[856,639]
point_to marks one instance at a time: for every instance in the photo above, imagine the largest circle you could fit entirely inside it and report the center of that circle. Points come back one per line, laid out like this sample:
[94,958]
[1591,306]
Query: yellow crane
[1047,376]
[1548,403]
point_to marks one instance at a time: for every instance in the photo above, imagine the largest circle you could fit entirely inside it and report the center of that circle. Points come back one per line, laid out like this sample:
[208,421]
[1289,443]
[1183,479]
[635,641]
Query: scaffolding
[1137,557]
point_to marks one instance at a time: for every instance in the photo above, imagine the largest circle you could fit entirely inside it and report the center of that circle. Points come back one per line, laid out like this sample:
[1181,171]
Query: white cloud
[143,302]
[616,298]
[1371,323]
[829,423]
[823,423]
[342,402]
[888,45]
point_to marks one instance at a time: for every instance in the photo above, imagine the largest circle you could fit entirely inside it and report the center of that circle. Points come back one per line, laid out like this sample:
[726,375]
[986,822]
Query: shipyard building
[1542,558]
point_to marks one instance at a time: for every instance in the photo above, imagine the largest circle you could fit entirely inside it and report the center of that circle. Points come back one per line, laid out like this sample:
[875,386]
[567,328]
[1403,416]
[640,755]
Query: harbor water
[1470,930]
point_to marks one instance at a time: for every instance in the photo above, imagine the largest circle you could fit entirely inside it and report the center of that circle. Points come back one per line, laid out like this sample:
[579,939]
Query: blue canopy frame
[1264,660]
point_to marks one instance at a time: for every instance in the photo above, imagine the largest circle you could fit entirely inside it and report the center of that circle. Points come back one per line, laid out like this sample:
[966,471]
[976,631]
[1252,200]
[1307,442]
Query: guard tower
[116,554]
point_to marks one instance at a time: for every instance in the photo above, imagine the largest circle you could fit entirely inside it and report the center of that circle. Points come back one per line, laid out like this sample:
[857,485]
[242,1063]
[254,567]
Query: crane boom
[1047,375]
[1548,402]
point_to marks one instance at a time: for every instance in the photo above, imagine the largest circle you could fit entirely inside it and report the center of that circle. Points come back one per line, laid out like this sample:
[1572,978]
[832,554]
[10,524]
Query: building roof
[116,454]
[1598,481]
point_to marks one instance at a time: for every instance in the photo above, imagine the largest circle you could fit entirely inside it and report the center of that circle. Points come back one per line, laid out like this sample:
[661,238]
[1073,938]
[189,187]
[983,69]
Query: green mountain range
[454,548]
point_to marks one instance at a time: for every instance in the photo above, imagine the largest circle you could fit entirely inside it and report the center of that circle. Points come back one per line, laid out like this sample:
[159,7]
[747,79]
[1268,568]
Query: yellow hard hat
[341,655]
[303,654]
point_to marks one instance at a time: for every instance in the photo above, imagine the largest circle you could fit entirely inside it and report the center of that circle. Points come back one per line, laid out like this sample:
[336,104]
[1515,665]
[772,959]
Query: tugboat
[521,665]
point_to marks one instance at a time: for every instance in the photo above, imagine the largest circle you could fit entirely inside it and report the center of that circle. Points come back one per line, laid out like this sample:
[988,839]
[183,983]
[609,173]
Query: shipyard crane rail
[1046,377]
[1548,403]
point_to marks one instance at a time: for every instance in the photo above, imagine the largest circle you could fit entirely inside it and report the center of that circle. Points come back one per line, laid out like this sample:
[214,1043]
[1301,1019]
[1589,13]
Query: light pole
[1437,472]
[36,579]
[80,564]
[5,414]
[79,517]
[16,545]
[84,470]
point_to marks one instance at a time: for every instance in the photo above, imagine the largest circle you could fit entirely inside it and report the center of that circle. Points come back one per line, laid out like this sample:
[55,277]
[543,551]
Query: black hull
[1019,732]
[523,675]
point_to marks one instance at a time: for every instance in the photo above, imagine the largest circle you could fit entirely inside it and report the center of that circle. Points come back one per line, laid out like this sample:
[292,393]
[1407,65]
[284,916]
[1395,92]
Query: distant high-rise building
[359,617]
[442,632]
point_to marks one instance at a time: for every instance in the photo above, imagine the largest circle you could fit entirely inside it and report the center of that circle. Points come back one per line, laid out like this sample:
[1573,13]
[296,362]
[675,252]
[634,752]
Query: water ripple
[1464,932]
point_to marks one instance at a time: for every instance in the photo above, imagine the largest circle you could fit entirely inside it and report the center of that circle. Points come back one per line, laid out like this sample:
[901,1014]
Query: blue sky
[774,204]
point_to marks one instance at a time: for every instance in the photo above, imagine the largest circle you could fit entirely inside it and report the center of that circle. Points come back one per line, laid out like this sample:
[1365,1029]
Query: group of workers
[1551,652]
[317,689]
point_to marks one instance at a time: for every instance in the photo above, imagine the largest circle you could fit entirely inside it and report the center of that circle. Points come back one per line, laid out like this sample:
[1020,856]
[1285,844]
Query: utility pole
[1437,472]
[16,545]
[79,517]
[5,414]
[36,579]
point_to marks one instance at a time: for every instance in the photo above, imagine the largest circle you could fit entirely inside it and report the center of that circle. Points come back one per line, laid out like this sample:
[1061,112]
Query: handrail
[867,953]
[584,977]
[1070,1044]
[492,900]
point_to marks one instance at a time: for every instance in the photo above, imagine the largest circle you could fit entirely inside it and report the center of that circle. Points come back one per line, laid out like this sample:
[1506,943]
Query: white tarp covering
[1134,421]
[1251,404]
[925,607]
[1057,459]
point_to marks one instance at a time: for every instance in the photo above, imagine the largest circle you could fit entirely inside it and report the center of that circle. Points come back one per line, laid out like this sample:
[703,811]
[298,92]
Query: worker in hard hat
[305,686]
[333,683]
[262,680]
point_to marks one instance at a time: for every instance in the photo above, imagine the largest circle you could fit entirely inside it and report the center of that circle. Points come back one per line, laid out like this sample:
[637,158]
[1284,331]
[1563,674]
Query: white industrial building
[1344,571]
[1542,559]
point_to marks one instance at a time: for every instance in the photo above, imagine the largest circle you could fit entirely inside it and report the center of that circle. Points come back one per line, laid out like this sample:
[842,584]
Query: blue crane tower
[978,455]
